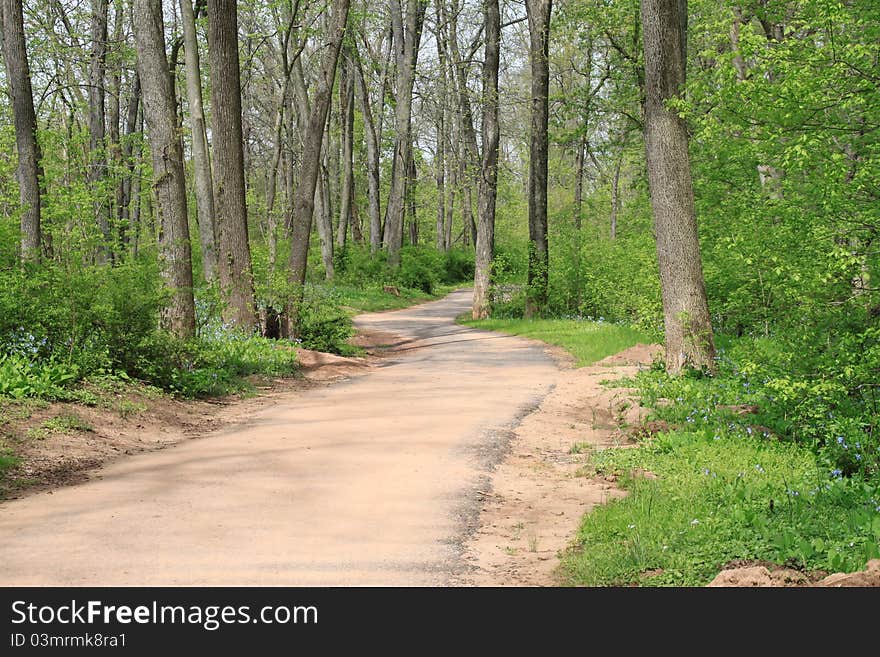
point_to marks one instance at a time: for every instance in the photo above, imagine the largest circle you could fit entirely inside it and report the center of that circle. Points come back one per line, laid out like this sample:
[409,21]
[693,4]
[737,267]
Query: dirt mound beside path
[771,575]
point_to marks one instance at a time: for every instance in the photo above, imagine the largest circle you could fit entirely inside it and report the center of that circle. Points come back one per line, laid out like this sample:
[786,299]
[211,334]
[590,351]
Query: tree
[169,181]
[688,329]
[407,30]
[304,195]
[488,187]
[25,119]
[97,126]
[201,159]
[234,256]
[372,139]
[346,119]
[539,44]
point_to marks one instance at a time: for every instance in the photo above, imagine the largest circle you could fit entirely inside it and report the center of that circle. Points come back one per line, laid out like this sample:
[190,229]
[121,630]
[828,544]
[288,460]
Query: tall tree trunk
[304,196]
[30,172]
[689,340]
[615,198]
[97,127]
[204,186]
[411,178]
[124,193]
[346,119]
[168,173]
[539,38]
[440,149]
[323,211]
[321,201]
[372,160]
[488,188]
[579,159]
[234,256]
[407,34]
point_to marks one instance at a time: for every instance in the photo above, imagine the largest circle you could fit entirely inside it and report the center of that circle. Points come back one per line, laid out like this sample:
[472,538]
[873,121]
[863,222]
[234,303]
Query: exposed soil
[130,420]
[544,485]
[372,480]
[767,574]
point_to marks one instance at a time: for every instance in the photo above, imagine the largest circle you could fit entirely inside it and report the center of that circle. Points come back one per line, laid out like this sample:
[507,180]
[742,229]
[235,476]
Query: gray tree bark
[372,140]
[175,258]
[204,183]
[304,195]
[488,183]
[29,169]
[688,329]
[407,34]
[97,127]
[233,250]
[346,119]
[539,38]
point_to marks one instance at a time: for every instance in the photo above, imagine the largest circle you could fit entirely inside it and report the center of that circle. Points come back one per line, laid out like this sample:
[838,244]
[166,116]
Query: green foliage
[719,498]
[324,324]
[587,341]
[420,268]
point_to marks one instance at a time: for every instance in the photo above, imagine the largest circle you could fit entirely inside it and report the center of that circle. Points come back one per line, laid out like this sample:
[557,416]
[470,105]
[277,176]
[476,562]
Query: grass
[587,341]
[373,298]
[716,500]
[726,489]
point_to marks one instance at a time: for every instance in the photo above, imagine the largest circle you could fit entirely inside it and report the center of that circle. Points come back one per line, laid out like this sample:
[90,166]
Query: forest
[188,191]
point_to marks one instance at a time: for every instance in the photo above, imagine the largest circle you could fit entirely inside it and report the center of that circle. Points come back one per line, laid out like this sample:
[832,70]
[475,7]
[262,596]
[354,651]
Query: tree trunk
[168,173]
[372,160]
[233,257]
[346,118]
[539,37]
[615,198]
[29,168]
[407,34]
[440,148]
[124,193]
[204,183]
[304,196]
[97,127]
[488,188]
[579,159]
[689,341]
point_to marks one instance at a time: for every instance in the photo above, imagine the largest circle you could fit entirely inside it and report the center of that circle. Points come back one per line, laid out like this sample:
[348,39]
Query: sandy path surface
[371,481]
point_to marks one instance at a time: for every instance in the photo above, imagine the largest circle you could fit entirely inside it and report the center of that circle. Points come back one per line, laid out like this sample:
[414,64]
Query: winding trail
[370,481]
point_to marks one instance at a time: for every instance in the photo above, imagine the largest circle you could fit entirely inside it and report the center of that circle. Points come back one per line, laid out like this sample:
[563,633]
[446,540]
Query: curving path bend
[370,481]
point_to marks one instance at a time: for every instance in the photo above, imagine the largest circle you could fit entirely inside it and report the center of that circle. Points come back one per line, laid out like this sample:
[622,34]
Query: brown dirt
[369,481]
[543,487]
[131,420]
[768,574]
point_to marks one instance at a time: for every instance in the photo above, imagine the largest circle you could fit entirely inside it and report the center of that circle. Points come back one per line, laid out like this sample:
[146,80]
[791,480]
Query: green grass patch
[587,341]
[720,497]
[373,298]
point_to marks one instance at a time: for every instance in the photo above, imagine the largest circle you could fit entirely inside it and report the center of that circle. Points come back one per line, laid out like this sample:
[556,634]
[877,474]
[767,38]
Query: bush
[324,326]
[420,268]
[458,266]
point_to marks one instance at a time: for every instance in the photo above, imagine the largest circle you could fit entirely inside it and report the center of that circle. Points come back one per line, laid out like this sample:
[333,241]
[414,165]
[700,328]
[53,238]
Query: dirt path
[378,479]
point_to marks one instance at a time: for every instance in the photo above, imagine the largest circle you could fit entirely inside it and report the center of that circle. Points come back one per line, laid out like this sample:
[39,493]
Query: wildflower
[631,526]
[695,522]
[840,440]
[759,468]
[706,471]
[836,472]
[749,430]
